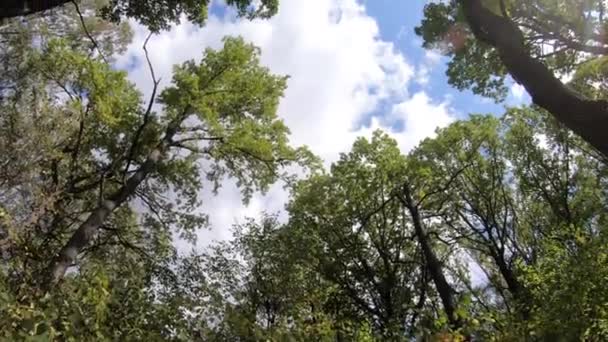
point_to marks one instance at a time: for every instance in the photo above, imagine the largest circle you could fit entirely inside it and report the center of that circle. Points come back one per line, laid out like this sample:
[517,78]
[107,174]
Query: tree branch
[86,30]
[148,110]
[89,228]
[588,118]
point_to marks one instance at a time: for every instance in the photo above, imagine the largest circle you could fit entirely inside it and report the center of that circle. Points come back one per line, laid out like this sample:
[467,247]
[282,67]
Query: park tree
[97,168]
[517,198]
[374,239]
[493,229]
[358,236]
[525,191]
[258,286]
[536,42]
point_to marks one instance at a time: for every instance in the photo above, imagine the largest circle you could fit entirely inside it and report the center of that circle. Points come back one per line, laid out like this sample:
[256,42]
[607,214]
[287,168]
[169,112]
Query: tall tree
[531,40]
[480,205]
[221,111]
[515,204]
[372,237]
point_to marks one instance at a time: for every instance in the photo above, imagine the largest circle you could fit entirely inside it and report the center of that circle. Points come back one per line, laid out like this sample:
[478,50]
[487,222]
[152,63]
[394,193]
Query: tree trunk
[433,265]
[89,228]
[515,287]
[587,118]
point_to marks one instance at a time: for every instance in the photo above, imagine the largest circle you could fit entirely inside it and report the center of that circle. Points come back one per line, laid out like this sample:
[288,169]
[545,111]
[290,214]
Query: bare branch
[189,148]
[446,186]
[86,31]
[198,138]
[148,110]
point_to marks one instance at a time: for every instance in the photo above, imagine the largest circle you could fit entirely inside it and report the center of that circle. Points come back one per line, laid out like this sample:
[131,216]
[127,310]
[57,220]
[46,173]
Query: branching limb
[86,31]
[148,110]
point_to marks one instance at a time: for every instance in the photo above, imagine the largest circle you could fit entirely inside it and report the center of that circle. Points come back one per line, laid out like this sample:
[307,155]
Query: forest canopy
[494,229]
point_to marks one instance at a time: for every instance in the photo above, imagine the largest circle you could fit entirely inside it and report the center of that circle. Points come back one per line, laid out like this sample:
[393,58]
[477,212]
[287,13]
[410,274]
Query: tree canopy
[536,42]
[156,15]
[494,229]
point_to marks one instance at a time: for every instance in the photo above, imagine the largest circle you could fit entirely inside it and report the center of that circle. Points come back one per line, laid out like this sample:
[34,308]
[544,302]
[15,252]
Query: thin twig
[86,31]
[148,110]
[446,186]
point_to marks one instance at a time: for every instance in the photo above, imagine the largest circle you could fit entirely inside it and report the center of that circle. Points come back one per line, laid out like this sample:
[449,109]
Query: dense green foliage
[495,229]
[563,34]
[156,15]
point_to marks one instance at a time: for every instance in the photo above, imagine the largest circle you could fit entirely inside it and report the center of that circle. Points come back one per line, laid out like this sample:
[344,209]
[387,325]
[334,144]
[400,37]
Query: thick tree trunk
[433,265]
[89,228]
[18,8]
[513,283]
[588,118]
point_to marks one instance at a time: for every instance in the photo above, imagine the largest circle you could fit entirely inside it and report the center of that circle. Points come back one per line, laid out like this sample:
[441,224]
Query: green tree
[156,15]
[517,206]
[96,171]
[533,41]
[260,288]
[372,238]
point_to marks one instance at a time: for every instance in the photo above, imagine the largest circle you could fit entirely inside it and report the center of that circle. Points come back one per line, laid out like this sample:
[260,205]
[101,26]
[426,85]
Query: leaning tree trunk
[587,118]
[433,265]
[89,228]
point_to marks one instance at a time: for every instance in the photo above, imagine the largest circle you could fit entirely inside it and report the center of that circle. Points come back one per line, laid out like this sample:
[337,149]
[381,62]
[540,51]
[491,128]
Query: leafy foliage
[159,15]
[82,143]
[495,229]
[562,34]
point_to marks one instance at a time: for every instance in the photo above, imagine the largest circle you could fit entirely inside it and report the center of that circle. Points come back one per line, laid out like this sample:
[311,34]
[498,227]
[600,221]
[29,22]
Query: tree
[73,197]
[480,205]
[95,185]
[561,187]
[260,288]
[517,205]
[526,39]
[361,243]
[350,261]
[372,238]
[84,32]
[156,15]
[390,240]
[234,101]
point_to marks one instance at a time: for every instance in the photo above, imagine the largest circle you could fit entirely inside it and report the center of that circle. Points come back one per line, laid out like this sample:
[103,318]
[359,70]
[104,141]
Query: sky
[355,66]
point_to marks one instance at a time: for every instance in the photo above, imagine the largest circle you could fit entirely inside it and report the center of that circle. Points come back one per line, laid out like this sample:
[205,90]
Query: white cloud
[340,71]
[432,57]
[431,60]
[422,76]
[421,117]
[518,91]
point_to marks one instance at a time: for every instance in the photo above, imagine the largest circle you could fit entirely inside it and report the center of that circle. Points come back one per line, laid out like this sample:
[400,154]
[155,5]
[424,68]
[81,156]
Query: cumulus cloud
[518,91]
[418,114]
[430,61]
[421,118]
[341,71]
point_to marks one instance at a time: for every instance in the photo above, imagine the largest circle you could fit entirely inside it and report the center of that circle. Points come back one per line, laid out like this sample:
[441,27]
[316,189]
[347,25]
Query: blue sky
[354,67]
[397,20]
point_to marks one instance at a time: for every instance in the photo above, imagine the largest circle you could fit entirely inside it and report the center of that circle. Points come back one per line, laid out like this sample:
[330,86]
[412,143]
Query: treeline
[495,229]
